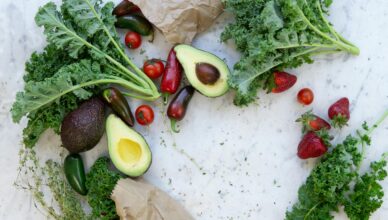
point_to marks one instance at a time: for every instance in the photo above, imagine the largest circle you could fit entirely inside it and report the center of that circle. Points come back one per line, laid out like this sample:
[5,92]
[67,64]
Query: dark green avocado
[83,128]
[206,72]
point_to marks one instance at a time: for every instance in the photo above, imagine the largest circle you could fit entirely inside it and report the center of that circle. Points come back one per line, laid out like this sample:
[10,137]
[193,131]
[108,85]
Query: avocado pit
[207,73]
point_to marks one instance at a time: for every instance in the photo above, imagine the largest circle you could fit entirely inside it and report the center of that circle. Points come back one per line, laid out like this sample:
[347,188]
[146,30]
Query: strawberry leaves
[311,122]
[339,113]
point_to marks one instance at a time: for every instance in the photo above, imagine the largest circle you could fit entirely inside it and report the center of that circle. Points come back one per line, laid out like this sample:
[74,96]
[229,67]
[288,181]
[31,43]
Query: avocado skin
[83,128]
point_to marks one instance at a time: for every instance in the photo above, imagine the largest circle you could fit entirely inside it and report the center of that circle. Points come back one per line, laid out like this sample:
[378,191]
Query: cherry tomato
[305,96]
[144,115]
[153,68]
[132,40]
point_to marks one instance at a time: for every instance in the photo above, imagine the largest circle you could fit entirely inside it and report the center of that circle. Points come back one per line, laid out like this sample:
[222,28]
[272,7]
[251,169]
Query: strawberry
[312,145]
[312,122]
[283,81]
[339,113]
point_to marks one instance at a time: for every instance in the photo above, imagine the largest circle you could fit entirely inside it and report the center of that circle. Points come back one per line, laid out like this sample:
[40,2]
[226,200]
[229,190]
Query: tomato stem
[151,40]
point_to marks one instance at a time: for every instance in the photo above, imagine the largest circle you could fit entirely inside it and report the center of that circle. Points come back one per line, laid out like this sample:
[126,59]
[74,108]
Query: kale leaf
[368,193]
[277,34]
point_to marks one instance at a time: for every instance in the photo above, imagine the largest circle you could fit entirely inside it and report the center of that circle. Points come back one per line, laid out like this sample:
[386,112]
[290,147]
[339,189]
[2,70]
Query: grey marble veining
[227,162]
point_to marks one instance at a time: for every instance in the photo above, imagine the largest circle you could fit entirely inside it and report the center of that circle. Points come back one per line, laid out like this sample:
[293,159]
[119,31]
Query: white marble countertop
[248,155]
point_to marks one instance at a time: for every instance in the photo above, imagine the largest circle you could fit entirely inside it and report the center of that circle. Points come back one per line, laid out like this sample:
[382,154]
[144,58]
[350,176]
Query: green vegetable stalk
[330,182]
[83,56]
[277,34]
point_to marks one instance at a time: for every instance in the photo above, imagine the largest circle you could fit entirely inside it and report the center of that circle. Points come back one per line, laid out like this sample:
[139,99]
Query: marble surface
[227,162]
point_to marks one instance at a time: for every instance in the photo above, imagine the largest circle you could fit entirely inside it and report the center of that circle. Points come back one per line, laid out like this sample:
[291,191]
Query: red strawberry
[339,113]
[311,146]
[283,81]
[312,122]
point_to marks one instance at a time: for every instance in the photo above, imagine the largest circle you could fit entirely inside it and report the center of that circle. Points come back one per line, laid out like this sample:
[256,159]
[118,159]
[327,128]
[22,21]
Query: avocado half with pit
[128,150]
[206,72]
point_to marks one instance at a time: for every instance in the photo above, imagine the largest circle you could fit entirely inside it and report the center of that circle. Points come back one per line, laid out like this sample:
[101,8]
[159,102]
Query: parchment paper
[180,20]
[137,200]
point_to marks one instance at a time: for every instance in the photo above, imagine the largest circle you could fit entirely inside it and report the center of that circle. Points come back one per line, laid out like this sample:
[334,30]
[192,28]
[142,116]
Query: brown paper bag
[137,200]
[180,20]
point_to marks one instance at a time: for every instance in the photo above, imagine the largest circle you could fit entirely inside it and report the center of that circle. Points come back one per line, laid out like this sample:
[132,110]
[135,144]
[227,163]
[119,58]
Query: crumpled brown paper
[180,20]
[137,200]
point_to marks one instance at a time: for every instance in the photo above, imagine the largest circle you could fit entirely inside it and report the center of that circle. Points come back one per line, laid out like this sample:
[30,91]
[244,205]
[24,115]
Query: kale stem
[86,43]
[351,49]
[325,52]
[378,123]
[153,98]
[119,72]
[131,64]
[368,133]
[130,85]
[332,30]
[311,210]
[112,80]
[305,45]
[280,62]
[335,34]
[123,68]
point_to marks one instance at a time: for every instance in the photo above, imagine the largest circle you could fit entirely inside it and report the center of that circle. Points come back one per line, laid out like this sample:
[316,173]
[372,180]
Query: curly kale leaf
[100,182]
[368,193]
[69,79]
[277,34]
[48,117]
[47,102]
[328,183]
[45,64]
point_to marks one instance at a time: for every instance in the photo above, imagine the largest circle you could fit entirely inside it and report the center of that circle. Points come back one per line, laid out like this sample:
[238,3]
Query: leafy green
[330,183]
[82,56]
[277,34]
[368,193]
[100,182]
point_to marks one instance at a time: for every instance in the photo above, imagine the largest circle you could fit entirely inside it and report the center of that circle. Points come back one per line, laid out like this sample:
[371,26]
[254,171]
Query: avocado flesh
[128,150]
[189,57]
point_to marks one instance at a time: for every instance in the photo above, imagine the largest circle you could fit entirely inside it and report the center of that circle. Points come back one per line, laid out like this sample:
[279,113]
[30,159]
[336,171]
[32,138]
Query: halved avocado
[128,150]
[206,72]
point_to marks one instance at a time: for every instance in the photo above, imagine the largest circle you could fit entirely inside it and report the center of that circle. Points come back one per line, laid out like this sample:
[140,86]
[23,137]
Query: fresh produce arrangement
[277,34]
[82,85]
[337,180]
[79,73]
[83,54]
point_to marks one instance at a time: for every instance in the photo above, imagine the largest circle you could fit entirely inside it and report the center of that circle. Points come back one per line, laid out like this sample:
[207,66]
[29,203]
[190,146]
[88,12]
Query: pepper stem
[152,37]
[173,126]
[165,98]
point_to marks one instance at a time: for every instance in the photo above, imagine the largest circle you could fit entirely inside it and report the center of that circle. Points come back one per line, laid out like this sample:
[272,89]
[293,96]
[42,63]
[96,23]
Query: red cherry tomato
[144,115]
[153,68]
[132,40]
[305,96]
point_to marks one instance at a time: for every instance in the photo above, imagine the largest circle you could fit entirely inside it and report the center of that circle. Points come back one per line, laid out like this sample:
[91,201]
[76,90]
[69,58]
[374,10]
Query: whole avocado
[83,128]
